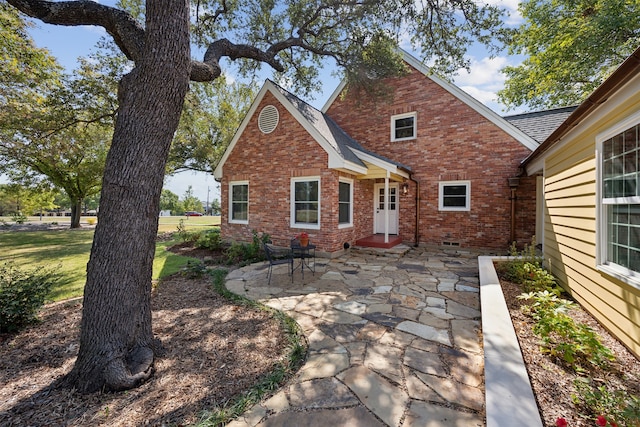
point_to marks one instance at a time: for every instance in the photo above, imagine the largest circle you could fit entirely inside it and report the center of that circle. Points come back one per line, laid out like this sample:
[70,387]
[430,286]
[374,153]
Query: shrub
[617,405]
[574,343]
[187,236]
[22,293]
[195,269]
[19,218]
[243,253]
[210,240]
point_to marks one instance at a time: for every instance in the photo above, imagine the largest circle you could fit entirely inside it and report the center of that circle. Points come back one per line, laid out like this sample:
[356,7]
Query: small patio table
[305,253]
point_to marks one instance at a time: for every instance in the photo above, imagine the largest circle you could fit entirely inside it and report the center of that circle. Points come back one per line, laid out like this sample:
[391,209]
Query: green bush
[187,236]
[616,405]
[575,343]
[210,240]
[243,253]
[19,218]
[22,293]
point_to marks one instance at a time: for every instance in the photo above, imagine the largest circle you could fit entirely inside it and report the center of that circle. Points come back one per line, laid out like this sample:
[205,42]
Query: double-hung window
[403,127]
[619,200]
[345,203]
[239,202]
[305,202]
[454,195]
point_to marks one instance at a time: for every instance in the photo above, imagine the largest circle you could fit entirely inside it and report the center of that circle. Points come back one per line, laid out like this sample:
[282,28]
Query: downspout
[513,185]
[417,235]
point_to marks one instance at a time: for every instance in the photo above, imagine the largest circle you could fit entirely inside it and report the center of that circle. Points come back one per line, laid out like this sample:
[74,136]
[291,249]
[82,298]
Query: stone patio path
[392,341]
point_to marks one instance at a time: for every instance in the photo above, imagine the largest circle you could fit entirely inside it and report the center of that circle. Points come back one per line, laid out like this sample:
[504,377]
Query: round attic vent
[268,119]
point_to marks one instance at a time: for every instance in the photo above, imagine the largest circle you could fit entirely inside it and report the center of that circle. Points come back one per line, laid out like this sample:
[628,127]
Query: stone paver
[393,340]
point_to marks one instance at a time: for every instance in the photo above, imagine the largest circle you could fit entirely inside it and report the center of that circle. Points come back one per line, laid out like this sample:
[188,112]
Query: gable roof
[463,96]
[629,69]
[540,124]
[343,151]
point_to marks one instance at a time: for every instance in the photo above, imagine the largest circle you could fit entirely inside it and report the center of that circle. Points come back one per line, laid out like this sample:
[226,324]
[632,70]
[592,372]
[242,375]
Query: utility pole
[206,212]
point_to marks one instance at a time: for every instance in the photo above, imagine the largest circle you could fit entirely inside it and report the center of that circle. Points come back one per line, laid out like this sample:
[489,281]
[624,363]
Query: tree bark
[116,341]
[76,209]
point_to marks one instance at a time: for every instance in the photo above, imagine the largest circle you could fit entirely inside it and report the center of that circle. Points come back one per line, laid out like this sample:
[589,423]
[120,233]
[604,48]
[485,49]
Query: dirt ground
[552,383]
[213,349]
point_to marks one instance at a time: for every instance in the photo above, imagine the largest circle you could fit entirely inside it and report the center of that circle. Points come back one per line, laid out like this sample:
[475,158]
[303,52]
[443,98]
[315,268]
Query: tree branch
[210,68]
[127,33]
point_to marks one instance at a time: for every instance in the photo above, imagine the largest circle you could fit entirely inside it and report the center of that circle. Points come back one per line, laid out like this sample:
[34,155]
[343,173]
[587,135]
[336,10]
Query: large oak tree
[290,36]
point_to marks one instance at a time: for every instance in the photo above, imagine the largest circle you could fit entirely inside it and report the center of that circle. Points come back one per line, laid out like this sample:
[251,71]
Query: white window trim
[403,116]
[292,203]
[230,219]
[350,223]
[617,271]
[441,206]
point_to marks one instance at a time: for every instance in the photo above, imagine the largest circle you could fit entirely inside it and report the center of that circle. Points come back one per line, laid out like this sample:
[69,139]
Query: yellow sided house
[589,202]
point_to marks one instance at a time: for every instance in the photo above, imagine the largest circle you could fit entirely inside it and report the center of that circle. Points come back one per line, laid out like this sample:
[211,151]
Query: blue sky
[484,80]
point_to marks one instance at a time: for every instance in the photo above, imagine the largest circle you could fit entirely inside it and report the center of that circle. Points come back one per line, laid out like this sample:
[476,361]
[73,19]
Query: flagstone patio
[392,341]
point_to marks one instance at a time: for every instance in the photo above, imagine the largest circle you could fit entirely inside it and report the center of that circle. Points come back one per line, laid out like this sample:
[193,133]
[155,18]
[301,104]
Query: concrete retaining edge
[509,397]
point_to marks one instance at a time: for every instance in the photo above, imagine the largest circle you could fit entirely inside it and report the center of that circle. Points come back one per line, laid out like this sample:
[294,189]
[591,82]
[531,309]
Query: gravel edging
[508,391]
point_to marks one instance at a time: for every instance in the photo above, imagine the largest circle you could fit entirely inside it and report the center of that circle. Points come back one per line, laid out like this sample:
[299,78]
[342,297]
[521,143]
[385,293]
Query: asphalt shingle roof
[540,124]
[333,133]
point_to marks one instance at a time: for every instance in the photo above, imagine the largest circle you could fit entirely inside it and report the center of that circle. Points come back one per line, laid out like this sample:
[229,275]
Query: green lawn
[70,249]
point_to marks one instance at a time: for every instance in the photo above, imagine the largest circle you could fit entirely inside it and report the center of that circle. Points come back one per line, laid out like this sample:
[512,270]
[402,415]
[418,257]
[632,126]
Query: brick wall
[453,142]
[268,162]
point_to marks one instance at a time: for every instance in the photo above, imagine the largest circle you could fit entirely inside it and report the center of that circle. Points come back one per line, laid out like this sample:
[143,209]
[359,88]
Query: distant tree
[17,199]
[6,203]
[571,47]
[59,127]
[191,202]
[293,38]
[170,201]
[215,207]
[91,202]
[44,200]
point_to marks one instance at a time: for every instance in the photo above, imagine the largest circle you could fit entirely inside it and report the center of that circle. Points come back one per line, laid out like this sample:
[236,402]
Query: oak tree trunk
[116,340]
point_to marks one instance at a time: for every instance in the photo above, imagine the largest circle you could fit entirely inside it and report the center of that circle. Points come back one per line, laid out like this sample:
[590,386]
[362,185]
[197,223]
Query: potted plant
[304,239]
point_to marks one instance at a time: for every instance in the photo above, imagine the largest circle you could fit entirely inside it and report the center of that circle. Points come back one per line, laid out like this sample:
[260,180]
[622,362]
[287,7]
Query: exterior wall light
[405,188]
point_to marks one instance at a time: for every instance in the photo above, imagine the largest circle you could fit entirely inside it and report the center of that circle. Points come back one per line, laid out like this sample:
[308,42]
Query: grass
[70,250]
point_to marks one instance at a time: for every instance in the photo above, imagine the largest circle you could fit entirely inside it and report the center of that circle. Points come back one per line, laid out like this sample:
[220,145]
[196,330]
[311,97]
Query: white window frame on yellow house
[618,201]
[231,219]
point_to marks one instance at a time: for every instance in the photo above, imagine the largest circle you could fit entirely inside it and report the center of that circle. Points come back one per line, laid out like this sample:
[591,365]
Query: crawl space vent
[268,119]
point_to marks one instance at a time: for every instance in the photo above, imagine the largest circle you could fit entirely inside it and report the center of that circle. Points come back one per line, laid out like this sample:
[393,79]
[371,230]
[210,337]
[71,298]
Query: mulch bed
[213,349]
[551,381]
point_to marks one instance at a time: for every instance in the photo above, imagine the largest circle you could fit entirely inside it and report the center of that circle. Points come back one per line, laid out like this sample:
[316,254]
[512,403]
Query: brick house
[441,159]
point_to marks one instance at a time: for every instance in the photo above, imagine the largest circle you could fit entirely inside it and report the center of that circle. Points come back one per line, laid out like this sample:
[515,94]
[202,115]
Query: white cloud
[483,72]
[484,96]
[485,79]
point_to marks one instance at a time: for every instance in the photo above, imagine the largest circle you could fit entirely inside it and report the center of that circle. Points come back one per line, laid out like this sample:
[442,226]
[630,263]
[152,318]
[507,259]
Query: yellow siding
[570,229]
[585,178]
[577,200]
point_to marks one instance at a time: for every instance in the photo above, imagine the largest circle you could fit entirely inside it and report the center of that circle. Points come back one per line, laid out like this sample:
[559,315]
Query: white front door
[380,206]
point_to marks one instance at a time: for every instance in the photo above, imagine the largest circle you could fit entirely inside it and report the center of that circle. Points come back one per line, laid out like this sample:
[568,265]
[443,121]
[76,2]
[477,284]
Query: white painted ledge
[509,397]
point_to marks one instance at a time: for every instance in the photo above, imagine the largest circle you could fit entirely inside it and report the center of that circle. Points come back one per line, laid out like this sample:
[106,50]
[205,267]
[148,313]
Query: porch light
[405,188]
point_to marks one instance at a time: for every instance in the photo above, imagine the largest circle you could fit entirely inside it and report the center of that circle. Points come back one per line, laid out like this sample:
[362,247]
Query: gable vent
[268,119]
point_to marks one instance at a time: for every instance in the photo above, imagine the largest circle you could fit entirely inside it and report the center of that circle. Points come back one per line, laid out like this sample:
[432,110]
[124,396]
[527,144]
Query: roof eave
[621,76]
